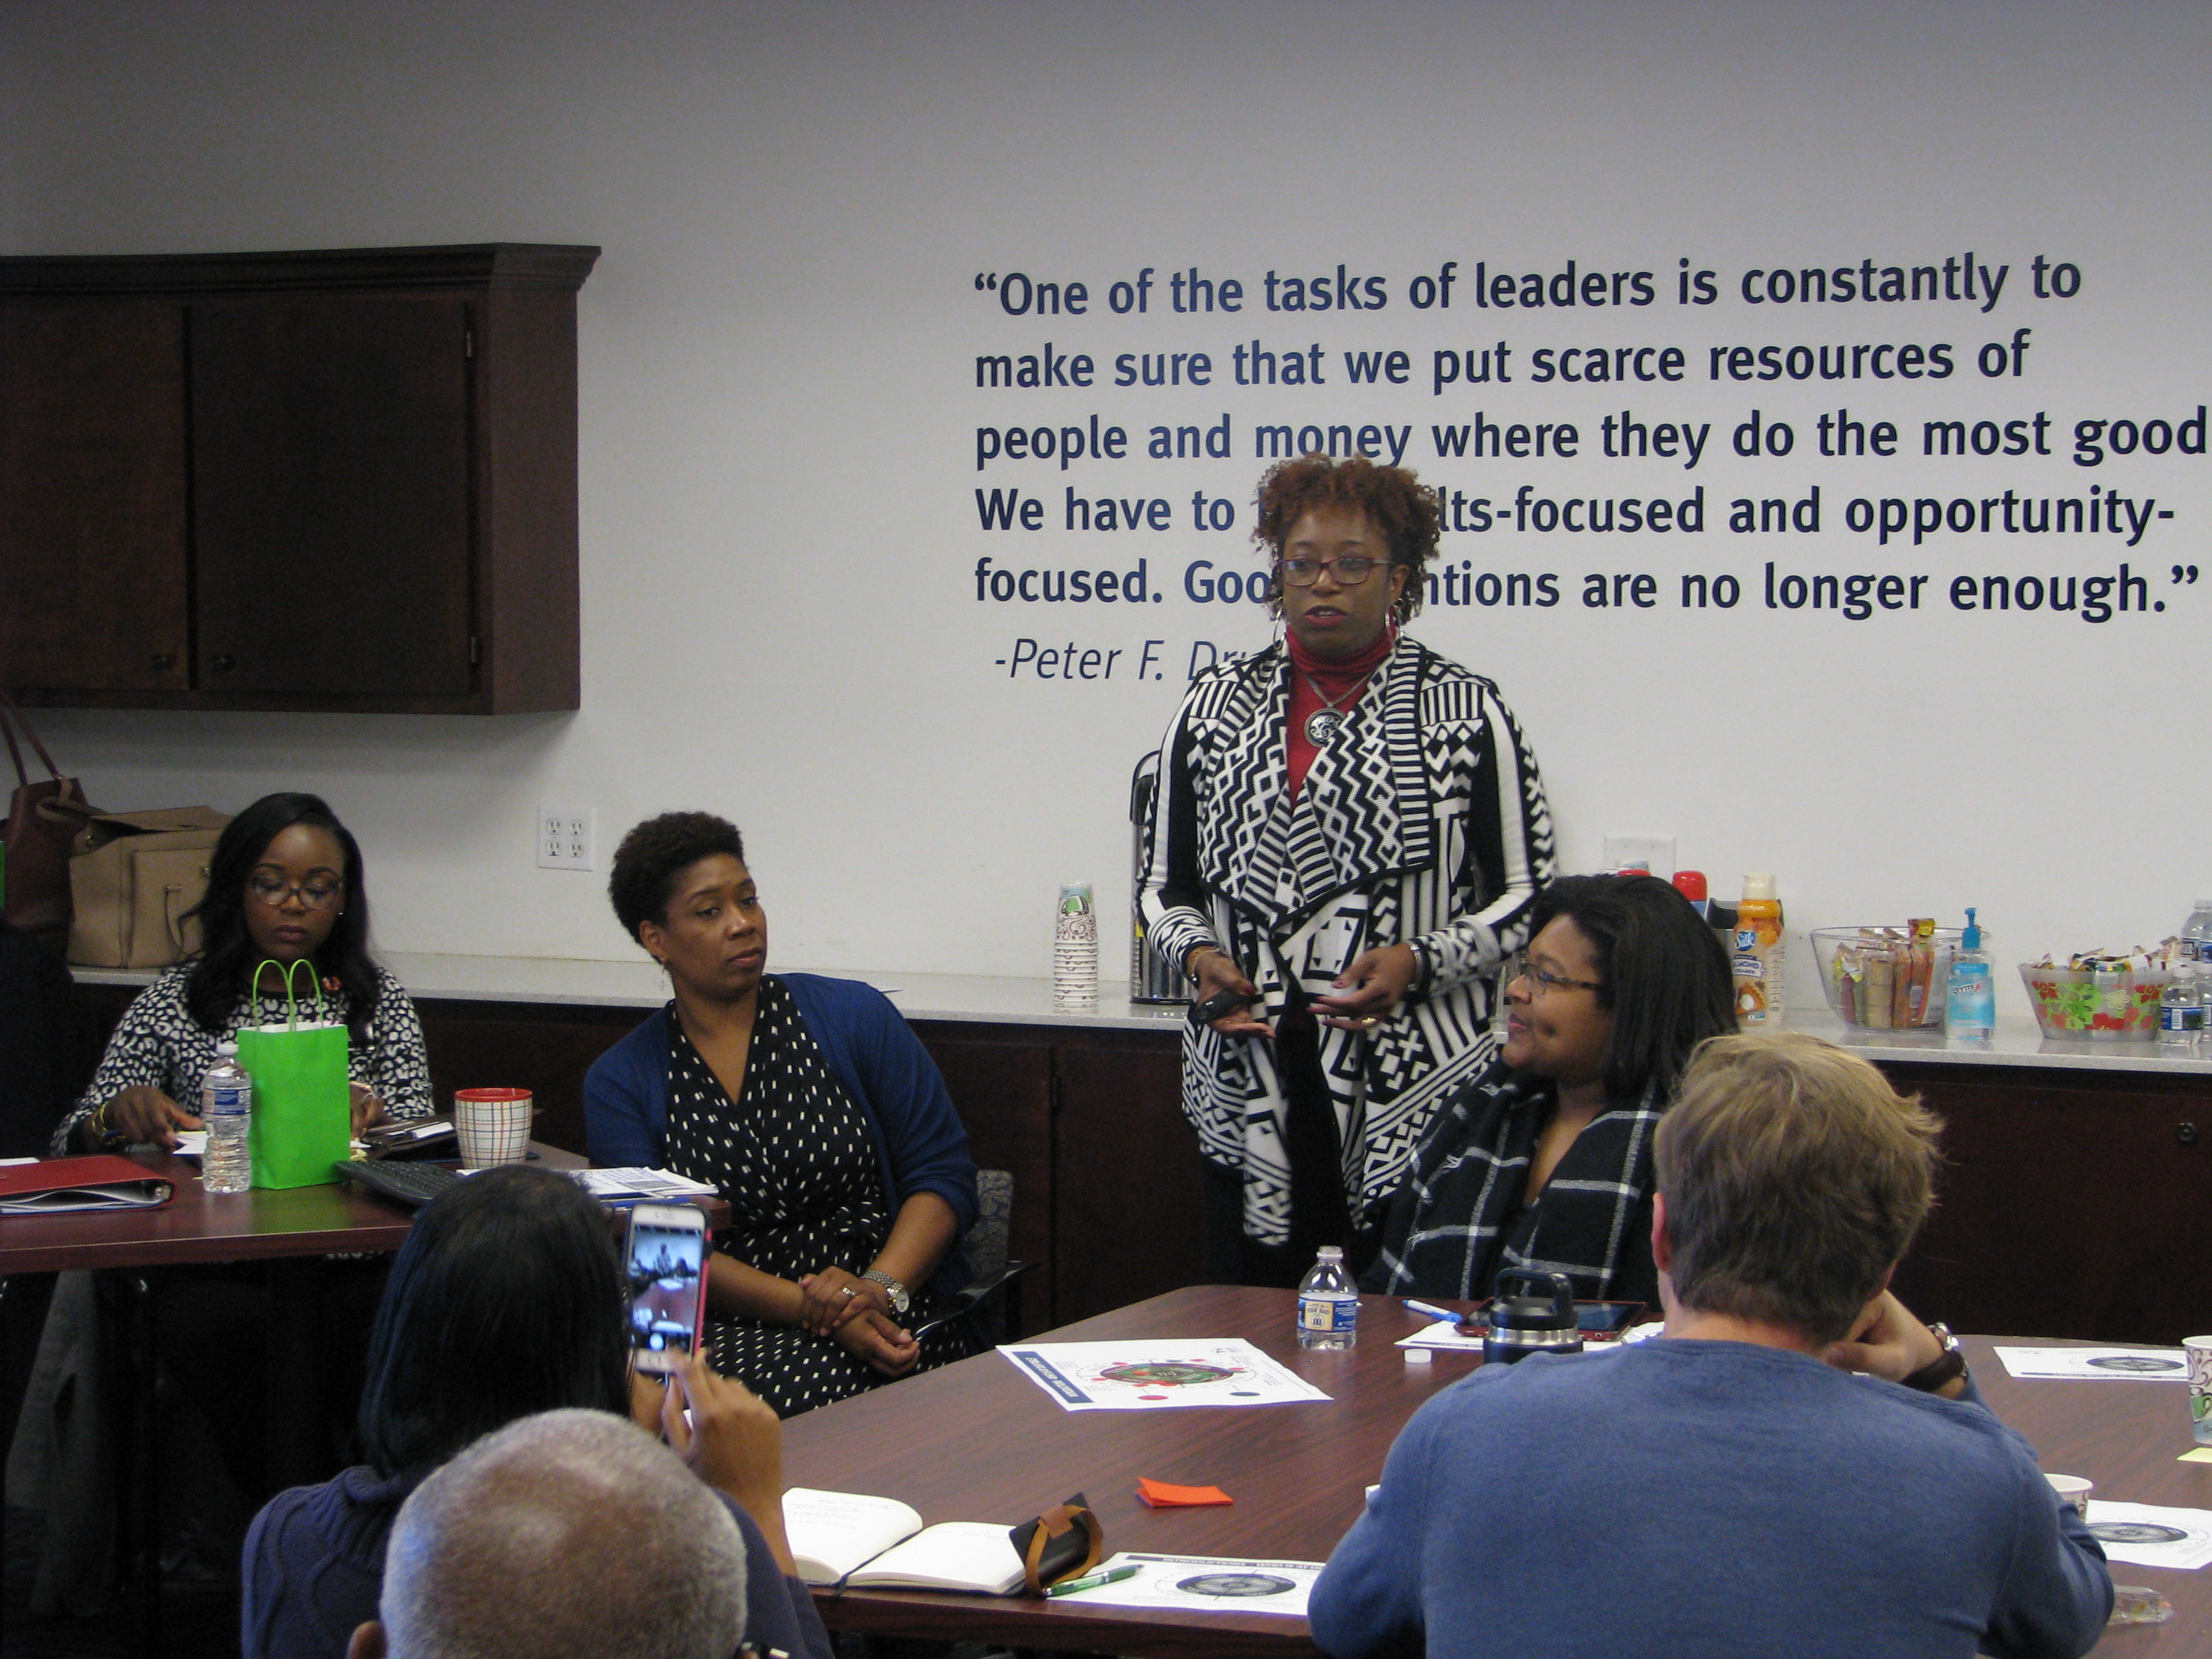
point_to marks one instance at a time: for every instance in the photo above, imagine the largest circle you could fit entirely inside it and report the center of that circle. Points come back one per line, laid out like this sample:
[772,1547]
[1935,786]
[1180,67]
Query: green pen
[1112,1575]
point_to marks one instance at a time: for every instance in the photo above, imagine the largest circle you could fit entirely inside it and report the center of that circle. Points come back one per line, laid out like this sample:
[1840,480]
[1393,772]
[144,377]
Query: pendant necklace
[1328,720]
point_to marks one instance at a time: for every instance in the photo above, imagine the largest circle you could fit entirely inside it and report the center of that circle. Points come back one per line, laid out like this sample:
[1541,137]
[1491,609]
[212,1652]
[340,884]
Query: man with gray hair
[1797,1467]
[568,1533]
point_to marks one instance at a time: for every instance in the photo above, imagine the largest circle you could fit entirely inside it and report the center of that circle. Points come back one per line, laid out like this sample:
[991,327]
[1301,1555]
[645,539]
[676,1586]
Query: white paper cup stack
[1075,948]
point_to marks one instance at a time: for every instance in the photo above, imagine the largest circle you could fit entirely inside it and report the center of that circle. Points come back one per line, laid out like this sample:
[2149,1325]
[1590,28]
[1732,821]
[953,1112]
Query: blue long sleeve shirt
[1691,1499]
[920,1146]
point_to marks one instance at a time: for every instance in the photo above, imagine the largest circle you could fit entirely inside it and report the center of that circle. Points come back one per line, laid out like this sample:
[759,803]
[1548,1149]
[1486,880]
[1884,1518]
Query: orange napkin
[1162,1496]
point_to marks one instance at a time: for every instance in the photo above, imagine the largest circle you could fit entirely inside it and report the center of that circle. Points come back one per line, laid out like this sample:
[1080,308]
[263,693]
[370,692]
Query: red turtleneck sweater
[1335,680]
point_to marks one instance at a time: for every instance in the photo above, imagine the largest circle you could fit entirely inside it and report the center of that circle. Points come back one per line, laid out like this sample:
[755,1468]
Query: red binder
[59,1186]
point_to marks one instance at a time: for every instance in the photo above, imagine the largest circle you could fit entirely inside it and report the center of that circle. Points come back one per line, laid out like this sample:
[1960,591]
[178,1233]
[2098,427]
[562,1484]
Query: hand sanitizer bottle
[1971,1016]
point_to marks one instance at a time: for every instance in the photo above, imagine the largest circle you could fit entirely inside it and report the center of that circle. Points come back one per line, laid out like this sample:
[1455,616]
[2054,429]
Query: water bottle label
[2173,1021]
[1327,1313]
[235,1098]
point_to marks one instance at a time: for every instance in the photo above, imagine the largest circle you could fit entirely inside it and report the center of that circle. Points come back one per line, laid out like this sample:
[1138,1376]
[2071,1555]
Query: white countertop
[639,984]
[995,1001]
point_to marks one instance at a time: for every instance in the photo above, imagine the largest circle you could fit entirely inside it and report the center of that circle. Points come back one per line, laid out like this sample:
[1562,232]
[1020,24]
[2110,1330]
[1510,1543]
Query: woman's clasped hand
[858,1314]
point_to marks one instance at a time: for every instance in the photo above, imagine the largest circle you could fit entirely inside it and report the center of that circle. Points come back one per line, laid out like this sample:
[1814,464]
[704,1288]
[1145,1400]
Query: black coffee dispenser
[1151,979]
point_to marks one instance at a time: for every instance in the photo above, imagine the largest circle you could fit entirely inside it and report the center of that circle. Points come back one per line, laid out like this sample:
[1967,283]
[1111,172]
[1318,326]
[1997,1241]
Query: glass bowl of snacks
[2107,999]
[1886,978]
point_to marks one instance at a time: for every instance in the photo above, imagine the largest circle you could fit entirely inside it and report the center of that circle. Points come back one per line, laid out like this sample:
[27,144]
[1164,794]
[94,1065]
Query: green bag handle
[291,990]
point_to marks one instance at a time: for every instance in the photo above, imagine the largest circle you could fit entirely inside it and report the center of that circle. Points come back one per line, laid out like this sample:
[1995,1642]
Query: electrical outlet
[1655,851]
[564,837]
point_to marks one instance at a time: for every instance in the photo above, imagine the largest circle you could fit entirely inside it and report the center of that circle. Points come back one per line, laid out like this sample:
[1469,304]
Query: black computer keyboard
[412,1184]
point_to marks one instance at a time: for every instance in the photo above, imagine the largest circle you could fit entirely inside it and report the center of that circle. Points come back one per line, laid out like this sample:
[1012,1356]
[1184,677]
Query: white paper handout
[1446,1336]
[2097,1365]
[617,1184]
[1203,1583]
[1159,1375]
[2151,1535]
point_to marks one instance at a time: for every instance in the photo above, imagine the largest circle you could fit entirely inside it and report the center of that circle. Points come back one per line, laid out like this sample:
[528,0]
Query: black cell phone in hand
[1220,1003]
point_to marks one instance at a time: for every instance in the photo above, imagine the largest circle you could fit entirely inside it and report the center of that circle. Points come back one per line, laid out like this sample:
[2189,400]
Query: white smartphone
[666,1265]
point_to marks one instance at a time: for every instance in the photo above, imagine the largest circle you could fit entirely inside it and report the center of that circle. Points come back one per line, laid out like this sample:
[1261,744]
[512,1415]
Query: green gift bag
[302,1106]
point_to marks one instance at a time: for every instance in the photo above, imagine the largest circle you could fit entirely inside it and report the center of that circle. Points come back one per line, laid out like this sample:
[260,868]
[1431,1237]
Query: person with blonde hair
[1798,1465]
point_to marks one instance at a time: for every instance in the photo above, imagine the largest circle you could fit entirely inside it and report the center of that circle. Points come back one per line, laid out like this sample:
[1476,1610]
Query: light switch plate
[1656,852]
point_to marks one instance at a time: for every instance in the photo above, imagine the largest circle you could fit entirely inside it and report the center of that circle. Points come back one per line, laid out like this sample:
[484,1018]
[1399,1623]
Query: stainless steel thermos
[1530,1313]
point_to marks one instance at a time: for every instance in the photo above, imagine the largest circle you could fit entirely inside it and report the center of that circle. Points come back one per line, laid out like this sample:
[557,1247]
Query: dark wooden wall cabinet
[332,481]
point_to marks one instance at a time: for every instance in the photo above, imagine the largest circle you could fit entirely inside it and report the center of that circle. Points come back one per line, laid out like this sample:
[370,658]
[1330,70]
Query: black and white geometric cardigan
[1423,819]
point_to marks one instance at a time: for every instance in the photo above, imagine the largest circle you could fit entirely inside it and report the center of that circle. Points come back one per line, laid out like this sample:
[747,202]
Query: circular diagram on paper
[1236,1584]
[2123,1362]
[1166,1374]
[2137,1532]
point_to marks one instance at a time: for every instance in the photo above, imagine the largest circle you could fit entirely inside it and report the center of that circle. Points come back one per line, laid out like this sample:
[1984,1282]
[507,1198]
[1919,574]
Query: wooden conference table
[978,1441]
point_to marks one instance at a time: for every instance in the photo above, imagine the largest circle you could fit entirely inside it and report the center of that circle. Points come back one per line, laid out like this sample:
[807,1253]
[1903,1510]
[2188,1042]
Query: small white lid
[1332,1253]
[2204,904]
[225,1050]
[1760,886]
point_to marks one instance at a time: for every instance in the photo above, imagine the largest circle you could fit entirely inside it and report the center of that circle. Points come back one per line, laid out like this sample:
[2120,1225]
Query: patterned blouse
[158,1044]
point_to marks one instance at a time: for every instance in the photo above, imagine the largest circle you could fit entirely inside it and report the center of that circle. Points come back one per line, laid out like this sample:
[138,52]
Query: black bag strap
[11,717]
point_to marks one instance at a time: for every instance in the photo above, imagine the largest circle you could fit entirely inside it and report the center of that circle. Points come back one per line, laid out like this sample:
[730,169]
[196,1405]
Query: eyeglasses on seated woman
[1545,1157]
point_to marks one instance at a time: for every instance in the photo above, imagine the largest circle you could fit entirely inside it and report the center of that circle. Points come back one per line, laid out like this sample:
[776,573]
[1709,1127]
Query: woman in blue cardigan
[810,1106]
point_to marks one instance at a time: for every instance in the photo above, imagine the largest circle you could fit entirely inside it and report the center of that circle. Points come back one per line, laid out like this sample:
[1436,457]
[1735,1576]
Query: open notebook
[880,1543]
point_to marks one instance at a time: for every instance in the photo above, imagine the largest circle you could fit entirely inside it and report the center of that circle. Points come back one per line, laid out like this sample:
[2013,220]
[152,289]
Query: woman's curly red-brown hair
[1390,496]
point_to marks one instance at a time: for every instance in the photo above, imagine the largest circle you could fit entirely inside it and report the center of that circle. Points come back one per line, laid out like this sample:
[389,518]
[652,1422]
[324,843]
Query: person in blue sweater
[1798,1465]
[811,1106]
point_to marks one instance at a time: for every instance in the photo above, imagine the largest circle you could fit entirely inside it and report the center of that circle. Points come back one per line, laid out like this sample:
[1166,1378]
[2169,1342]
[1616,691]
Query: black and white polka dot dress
[796,1160]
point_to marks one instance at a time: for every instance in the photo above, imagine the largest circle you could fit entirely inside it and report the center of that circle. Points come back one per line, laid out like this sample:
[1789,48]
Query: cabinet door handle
[163,662]
[2186,1134]
[224,664]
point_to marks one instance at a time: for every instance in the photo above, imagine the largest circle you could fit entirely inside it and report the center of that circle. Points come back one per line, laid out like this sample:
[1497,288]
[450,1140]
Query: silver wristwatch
[900,1300]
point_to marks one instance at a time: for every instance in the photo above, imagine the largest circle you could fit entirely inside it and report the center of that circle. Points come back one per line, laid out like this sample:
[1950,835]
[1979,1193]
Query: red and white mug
[493,1126]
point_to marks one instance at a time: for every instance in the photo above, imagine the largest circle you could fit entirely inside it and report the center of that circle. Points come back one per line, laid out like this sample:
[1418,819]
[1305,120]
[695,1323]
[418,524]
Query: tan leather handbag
[132,877]
[34,836]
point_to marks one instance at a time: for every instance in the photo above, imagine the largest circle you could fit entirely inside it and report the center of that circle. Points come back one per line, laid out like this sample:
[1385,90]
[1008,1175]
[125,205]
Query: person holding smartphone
[1347,833]
[507,1300]
[811,1106]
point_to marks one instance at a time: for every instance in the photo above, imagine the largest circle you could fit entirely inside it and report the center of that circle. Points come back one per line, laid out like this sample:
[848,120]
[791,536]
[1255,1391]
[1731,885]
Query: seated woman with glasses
[285,884]
[1545,1161]
[811,1106]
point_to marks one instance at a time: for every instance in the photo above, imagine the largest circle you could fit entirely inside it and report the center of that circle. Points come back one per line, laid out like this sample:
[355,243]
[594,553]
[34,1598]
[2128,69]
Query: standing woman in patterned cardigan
[1348,833]
[285,883]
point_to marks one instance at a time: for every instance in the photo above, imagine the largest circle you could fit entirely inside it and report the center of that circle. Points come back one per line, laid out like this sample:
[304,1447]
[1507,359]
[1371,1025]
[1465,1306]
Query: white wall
[779,414]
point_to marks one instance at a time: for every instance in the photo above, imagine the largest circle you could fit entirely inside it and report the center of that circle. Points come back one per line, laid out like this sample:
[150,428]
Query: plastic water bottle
[227,1109]
[2196,932]
[1328,1306]
[2181,1013]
